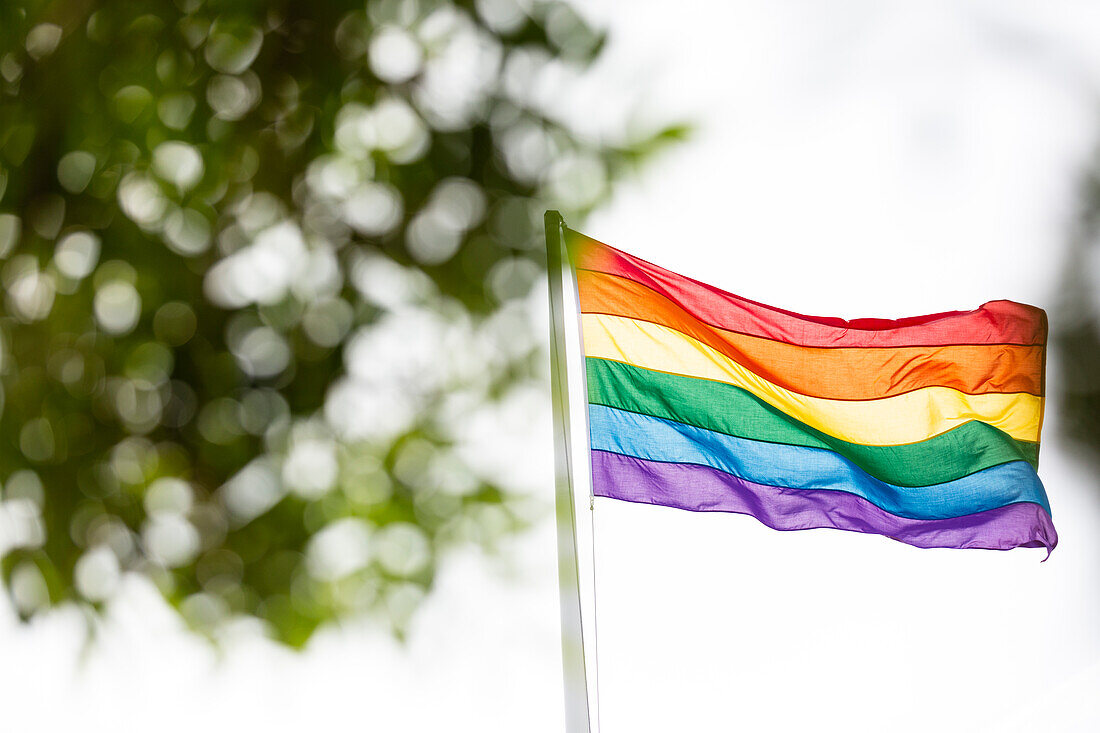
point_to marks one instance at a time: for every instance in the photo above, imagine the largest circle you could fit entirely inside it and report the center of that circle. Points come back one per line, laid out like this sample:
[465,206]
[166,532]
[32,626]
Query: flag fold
[924,429]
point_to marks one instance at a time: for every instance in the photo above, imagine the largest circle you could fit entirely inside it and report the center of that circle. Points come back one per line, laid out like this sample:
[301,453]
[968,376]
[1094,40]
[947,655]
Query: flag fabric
[924,429]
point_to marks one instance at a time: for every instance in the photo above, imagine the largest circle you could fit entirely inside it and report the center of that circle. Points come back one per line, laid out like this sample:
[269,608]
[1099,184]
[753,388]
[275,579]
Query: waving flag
[924,429]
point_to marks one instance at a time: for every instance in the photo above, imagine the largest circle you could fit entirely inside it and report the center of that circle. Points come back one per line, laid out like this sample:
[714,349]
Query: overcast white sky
[857,159]
[852,159]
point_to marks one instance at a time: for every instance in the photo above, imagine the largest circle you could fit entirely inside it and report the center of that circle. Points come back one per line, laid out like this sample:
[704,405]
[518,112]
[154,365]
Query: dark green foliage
[1075,326]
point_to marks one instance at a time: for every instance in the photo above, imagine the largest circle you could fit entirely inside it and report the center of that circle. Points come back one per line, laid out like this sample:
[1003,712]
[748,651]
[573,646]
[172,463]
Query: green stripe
[724,408]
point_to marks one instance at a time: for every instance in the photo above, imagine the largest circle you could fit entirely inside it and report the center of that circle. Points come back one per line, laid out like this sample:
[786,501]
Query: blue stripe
[799,467]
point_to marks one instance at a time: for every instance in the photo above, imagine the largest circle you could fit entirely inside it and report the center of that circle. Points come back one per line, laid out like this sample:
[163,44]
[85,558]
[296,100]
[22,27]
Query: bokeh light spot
[431,239]
[326,322]
[577,181]
[169,539]
[131,101]
[141,200]
[11,226]
[402,548]
[232,47]
[395,54]
[169,495]
[174,323]
[25,484]
[231,97]
[42,40]
[373,209]
[150,362]
[252,491]
[75,169]
[400,131]
[28,588]
[77,254]
[117,307]
[310,468]
[262,352]
[178,163]
[339,549]
[187,232]
[30,293]
[175,110]
[96,574]
[36,440]
[503,16]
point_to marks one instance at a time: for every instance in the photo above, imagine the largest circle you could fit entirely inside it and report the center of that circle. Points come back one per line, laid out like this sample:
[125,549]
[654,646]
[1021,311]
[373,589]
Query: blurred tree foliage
[1076,327]
[264,266]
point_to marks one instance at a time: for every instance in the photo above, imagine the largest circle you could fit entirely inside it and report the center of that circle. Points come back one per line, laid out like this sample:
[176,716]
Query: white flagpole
[577,718]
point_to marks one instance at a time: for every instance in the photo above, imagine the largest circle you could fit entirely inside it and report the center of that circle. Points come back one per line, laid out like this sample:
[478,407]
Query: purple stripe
[705,489]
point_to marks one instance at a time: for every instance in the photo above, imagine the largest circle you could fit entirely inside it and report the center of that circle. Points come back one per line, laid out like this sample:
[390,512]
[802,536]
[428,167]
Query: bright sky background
[857,159]
[852,159]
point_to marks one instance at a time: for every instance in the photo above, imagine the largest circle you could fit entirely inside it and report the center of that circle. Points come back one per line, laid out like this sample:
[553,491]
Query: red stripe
[996,322]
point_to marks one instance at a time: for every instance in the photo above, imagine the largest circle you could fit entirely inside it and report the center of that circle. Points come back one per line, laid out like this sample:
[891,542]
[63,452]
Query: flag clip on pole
[577,719]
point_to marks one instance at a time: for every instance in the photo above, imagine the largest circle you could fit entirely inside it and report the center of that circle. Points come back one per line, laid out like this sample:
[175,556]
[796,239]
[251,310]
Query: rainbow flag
[925,430]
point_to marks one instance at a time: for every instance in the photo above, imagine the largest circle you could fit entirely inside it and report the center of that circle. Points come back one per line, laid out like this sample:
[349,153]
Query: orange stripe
[842,373]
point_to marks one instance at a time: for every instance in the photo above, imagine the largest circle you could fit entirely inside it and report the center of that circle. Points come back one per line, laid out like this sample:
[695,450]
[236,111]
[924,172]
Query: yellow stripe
[904,418]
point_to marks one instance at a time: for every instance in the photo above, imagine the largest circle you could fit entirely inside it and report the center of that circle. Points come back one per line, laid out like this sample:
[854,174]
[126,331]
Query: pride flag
[924,429]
